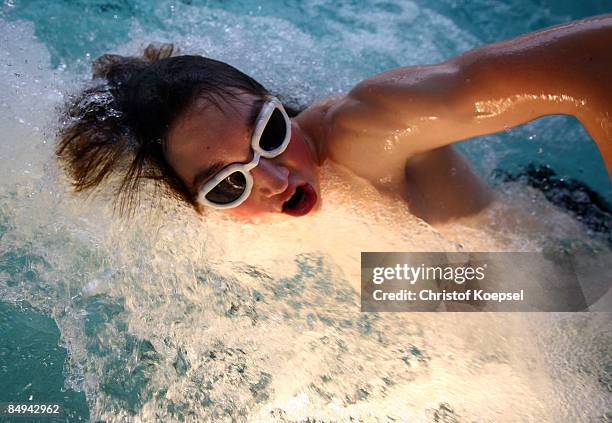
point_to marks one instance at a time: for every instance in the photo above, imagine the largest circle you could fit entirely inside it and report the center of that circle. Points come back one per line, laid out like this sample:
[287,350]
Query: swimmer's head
[168,119]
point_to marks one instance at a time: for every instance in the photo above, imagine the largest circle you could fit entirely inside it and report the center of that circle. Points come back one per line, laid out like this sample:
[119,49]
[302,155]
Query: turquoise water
[120,321]
[32,362]
[366,37]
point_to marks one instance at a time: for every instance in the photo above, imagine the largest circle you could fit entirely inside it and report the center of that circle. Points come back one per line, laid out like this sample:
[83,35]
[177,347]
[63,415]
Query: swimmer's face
[207,136]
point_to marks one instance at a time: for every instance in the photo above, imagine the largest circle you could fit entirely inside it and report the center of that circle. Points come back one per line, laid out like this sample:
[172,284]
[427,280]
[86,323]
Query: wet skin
[207,135]
[395,129]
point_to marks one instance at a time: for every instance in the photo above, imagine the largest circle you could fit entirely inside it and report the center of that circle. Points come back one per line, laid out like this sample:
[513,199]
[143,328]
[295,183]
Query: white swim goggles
[232,185]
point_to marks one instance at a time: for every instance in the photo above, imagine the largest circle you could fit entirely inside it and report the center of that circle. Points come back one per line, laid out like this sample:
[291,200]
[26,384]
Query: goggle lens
[274,133]
[228,190]
[273,140]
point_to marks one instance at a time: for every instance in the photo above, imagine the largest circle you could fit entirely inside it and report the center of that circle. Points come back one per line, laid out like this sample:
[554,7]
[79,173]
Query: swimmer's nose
[270,178]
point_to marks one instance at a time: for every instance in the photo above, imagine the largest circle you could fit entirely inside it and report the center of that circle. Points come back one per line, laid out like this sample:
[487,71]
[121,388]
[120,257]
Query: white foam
[256,321]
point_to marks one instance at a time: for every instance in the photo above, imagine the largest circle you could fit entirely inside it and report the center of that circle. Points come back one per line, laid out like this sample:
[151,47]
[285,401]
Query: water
[172,318]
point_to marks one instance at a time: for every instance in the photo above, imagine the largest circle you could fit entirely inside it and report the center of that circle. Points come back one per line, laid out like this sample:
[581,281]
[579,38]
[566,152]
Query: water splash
[171,317]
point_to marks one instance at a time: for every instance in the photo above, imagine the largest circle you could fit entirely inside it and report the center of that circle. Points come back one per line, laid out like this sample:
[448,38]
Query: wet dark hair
[118,126]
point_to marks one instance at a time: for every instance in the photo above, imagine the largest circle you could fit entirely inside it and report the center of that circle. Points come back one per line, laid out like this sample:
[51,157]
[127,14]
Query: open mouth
[301,202]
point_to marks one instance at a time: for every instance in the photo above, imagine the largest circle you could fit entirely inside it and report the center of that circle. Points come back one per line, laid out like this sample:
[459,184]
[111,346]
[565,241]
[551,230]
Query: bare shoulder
[316,121]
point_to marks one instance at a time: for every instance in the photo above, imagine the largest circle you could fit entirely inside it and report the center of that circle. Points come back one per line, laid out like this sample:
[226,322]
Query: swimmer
[214,137]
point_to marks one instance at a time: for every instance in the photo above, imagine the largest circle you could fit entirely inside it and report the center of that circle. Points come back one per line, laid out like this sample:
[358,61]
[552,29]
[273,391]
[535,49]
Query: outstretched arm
[398,114]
